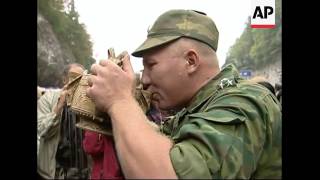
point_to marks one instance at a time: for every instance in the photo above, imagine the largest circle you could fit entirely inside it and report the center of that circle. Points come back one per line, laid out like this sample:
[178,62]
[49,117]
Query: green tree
[72,35]
[258,47]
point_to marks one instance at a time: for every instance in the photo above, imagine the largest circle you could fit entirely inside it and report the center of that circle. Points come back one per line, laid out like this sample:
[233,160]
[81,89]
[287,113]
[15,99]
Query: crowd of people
[210,122]
[72,153]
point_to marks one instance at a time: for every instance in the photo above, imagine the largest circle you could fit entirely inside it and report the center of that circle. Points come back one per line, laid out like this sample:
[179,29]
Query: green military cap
[174,24]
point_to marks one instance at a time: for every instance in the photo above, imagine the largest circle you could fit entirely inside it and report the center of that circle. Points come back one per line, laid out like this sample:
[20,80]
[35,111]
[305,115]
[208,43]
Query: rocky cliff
[51,56]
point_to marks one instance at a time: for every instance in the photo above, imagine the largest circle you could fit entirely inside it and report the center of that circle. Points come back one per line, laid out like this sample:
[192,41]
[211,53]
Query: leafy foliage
[71,34]
[258,47]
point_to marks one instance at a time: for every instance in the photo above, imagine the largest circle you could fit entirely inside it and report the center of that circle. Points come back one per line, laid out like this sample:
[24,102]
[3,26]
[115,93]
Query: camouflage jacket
[231,129]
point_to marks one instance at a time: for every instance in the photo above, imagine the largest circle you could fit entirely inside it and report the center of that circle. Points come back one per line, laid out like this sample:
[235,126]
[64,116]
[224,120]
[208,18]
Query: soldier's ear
[192,60]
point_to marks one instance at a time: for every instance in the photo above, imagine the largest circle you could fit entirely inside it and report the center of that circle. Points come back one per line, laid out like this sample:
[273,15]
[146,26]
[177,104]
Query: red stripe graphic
[269,26]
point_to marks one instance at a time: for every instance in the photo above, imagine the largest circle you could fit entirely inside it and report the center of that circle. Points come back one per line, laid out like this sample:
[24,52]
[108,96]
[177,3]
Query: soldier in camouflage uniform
[226,127]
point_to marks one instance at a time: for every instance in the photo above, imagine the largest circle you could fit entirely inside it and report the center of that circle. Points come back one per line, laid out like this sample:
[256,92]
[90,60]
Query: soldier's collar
[226,77]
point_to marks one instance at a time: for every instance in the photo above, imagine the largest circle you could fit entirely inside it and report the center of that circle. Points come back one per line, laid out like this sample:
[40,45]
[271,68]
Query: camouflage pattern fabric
[178,23]
[232,129]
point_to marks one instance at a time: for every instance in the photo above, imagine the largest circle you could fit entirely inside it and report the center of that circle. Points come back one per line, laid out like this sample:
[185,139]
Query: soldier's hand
[109,84]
